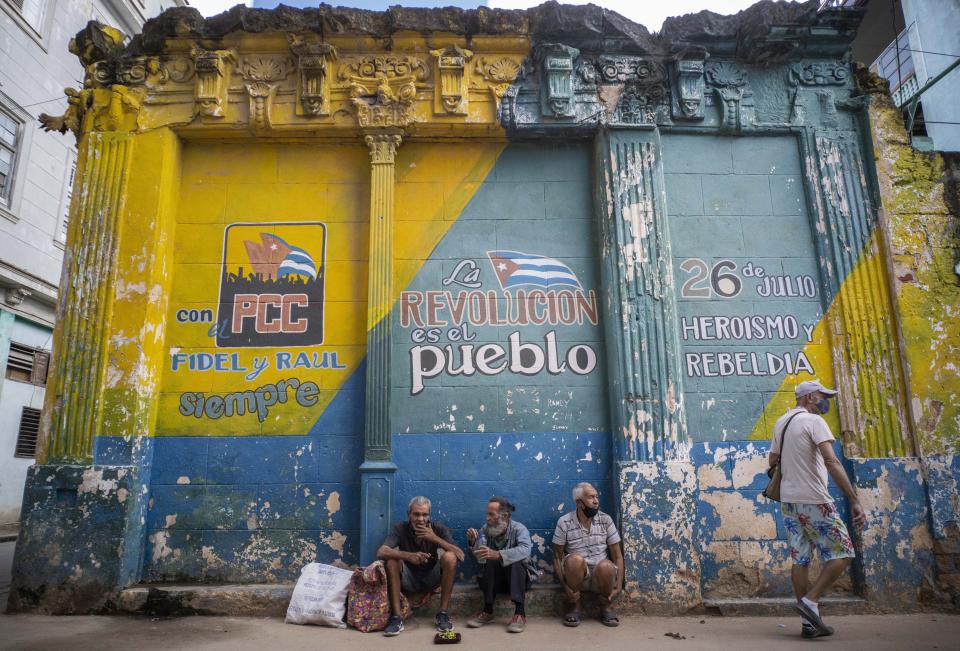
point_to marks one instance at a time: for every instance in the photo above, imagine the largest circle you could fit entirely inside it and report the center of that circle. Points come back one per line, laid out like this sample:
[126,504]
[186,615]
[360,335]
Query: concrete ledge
[270,600]
[782,607]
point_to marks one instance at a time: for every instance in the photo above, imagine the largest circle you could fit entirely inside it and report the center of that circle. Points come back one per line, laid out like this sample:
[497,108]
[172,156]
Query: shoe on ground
[813,618]
[394,626]
[518,624]
[443,621]
[480,619]
[809,632]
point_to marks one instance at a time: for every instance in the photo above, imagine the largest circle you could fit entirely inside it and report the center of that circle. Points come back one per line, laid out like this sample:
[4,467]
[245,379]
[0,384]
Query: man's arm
[385,553]
[616,555]
[428,534]
[835,468]
[519,552]
[559,551]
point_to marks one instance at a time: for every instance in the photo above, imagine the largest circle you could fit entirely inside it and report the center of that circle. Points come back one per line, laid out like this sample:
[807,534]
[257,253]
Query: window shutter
[41,365]
[20,362]
[28,433]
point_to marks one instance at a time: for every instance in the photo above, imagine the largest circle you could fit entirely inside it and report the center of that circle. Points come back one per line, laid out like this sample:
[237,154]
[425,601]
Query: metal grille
[27,435]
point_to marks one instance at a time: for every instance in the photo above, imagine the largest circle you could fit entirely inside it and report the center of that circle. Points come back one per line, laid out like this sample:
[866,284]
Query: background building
[36,179]
[910,43]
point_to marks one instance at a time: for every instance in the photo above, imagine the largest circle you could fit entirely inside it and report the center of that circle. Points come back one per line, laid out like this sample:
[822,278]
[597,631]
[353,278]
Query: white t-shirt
[803,473]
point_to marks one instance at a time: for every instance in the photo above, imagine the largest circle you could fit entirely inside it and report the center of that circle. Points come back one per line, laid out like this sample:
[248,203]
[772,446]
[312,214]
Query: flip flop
[422,601]
[571,619]
[609,618]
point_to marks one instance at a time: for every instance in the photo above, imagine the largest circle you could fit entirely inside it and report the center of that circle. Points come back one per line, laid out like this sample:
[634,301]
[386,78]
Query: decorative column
[874,417]
[378,470]
[73,409]
[656,482]
[643,349]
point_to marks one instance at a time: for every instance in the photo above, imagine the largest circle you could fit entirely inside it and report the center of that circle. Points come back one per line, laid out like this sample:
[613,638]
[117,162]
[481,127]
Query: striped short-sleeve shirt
[592,544]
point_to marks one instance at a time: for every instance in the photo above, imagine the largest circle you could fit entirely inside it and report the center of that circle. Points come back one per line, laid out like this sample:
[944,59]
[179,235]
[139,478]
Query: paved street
[873,633]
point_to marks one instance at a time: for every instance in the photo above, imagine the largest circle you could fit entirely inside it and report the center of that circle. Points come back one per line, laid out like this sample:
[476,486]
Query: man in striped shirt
[587,556]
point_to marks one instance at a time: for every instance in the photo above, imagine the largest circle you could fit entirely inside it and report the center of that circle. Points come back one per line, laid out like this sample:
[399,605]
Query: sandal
[609,618]
[571,619]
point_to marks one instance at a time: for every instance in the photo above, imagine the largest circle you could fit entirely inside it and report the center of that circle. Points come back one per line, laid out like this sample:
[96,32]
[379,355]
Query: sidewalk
[867,632]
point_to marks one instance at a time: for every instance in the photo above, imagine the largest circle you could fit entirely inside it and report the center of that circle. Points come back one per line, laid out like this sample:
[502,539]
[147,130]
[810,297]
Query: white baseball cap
[809,386]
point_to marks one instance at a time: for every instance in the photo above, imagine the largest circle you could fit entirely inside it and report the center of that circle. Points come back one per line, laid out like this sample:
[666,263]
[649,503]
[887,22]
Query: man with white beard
[502,547]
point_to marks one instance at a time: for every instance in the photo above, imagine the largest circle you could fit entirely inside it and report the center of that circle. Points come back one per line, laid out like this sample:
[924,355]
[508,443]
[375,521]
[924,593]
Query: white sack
[320,596]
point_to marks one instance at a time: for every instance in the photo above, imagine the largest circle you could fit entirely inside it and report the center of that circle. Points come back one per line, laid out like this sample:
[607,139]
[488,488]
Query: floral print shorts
[816,526]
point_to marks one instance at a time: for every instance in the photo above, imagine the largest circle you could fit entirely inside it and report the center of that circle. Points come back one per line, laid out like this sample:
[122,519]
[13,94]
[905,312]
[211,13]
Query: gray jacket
[517,550]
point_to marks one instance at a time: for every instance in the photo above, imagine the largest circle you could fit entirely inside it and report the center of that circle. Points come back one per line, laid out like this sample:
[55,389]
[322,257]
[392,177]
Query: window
[9,144]
[67,196]
[33,12]
[26,364]
[27,435]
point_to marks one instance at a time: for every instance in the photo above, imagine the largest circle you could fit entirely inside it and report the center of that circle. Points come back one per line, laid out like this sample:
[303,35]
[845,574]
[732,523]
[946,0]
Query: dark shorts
[417,582]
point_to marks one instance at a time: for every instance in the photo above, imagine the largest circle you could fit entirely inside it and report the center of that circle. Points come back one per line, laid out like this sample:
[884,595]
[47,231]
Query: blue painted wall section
[258,508]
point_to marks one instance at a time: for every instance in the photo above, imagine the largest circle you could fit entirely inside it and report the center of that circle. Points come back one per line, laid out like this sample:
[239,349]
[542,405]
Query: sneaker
[443,621]
[480,619]
[517,624]
[394,626]
[809,632]
[813,618]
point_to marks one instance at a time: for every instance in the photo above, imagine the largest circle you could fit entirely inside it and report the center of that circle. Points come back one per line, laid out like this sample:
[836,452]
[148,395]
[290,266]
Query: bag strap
[783,439]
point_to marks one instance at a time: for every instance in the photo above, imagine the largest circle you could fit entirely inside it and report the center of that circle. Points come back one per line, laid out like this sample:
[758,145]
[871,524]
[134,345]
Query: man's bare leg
[800,577]
[828,576]
[605,580]
[574,572]
[394,570]
[448,562]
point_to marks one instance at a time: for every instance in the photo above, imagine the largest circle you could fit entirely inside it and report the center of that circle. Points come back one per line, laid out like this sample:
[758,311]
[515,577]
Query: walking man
[419,555]
[803,445]
[587,556]
[502,547]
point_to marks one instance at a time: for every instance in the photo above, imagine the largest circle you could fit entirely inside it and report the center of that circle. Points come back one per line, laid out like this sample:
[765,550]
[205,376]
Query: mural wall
[311,276]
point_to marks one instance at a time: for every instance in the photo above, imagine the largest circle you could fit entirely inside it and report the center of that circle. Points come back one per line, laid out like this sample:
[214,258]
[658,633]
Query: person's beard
[496,530]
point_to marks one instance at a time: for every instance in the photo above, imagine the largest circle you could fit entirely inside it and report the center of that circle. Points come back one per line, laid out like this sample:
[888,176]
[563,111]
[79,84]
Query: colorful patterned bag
[368,602]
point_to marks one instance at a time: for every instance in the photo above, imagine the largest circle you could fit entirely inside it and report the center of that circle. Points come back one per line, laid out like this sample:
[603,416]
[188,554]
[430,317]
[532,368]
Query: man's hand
[484,553]
[425,532]
[859,516]
[572,597]
[417,558]
[471,537]
[456,551]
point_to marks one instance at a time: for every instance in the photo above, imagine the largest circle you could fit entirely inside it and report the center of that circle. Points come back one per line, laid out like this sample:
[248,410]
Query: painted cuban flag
[297,262]
[514,268]
[275,258]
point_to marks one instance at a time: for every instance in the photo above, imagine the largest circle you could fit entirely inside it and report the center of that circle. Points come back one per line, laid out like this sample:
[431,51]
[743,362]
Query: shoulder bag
[772,491]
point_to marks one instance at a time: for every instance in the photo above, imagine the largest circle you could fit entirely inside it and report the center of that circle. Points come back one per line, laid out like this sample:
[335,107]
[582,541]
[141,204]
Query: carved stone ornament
[383,147]
[452,84]
[313,85]
[639,104]
[688,86]
[500,74]
[729,83]
[625,69]
[556,80]
[383,88]
[262,74]
[822,73]
[213,78]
